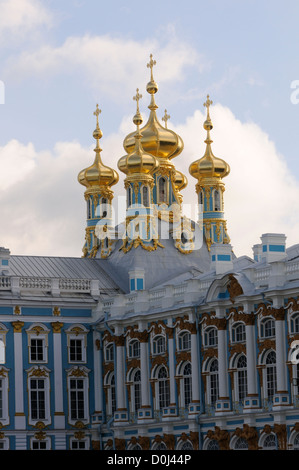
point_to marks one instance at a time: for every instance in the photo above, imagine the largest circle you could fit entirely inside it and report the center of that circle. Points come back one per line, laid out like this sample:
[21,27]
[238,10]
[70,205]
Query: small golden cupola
[139,166]
[138,162]
[209,171]
[98,179]
[164,144]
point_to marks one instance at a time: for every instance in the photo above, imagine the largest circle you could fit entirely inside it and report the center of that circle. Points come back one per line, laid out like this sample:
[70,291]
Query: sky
[60,58]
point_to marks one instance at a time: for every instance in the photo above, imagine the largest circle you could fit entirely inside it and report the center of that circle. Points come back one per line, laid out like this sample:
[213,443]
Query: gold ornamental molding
[56,326]
[250,434]
[17,326]
[221,436]
[234,288]
[268,310]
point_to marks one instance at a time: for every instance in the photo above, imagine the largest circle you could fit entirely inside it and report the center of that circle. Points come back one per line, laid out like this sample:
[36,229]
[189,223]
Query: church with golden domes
[159,337]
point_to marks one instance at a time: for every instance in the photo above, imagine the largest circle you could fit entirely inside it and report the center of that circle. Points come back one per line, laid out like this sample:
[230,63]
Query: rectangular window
[78,445]
[36,350]
[77,398]
[76,350]
[39,445]
[37,399]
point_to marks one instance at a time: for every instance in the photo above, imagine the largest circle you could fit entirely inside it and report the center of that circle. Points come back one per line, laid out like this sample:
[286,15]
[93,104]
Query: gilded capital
[17,326]
[56,326]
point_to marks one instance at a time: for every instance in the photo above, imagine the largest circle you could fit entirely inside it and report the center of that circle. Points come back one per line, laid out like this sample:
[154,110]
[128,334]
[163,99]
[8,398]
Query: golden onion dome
[98,174]
[209,166]
[138,161]
[180,180]
[156,139]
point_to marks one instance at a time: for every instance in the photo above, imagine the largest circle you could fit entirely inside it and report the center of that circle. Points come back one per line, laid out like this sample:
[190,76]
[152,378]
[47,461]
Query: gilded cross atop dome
[165,118]
[136,98]
[96,113]
[150,65]
[208,103]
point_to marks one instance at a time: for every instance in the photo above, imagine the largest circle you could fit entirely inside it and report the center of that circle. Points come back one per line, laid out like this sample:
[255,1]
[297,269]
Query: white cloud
[107,63]
[18,17]
[43,208]
[261,193]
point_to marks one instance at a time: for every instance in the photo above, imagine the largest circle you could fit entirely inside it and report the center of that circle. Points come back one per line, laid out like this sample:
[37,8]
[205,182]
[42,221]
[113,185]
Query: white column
[59,417]
[145,388]
[98,385]
[251,360]
[120,373]
[171,355]
[280,355]
[195,371]
[222,362]
[20,421]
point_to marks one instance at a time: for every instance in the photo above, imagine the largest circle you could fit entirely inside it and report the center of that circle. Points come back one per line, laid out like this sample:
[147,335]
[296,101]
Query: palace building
[158,337]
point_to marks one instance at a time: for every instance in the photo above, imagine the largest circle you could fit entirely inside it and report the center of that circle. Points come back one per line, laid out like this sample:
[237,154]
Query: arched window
[162,190]
[270,442]
[137,390]
[296,442]
[187,384]
[159,345]
[295,323]
[268,328]
[163,388]
[135,447]
[159,446]
[213,445]
[134,348]
[241,444]
[211,337]
[112,394]
[145,196]
[129,196]
[89,208]
[242,377]
[185,341]
[200,197]
[238,333]
[214,382]
[271,385]
[109,352]
[217,204]
[103,207]
[187,445]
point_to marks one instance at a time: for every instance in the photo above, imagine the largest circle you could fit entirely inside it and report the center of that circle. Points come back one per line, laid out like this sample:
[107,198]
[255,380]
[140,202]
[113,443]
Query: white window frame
[183,343]
[77,333]
[39,373]
[38,332]
[159,348]
[75,374]
[34,440]
[4,419]
[133,345]
[207,337]
[3,331]
[84,440]
[109,352]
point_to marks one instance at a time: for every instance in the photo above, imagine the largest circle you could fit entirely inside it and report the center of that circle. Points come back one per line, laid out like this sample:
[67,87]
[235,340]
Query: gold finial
[97,134]
[136,98]
[165,118]
[96,113]
[207,104]
[208,126]
[137,119]
[150,65]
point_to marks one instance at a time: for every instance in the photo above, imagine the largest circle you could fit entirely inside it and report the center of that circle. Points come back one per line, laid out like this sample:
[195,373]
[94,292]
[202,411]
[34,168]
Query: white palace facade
[158,337]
